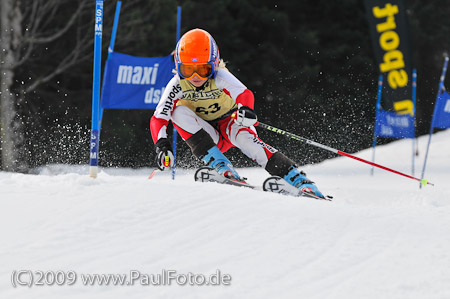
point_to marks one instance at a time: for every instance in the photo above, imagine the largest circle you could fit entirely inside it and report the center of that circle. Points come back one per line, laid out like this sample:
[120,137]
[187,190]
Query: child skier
[213,112]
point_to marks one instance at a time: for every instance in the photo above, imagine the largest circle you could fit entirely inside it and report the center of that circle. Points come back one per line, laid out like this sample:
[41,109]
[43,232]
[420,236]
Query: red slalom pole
[296,137]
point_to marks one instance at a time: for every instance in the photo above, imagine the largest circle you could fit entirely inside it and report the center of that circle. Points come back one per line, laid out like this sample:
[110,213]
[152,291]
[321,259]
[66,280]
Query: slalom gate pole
[441,87]
[414,86]
[316,144]
[378,108]
[112,42]
[175,133]
[93,158]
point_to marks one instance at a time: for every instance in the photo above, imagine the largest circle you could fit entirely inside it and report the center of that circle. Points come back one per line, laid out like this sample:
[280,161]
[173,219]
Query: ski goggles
[187,71]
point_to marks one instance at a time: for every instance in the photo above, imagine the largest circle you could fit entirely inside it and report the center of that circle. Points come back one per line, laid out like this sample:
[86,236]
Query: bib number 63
[210,109]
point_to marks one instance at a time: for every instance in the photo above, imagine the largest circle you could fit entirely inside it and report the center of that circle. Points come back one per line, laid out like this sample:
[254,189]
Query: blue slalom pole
[114,29]
[441,87]
[414,86]
[175,133]
[111,43]
[378,108]
[93,159]
[178,22]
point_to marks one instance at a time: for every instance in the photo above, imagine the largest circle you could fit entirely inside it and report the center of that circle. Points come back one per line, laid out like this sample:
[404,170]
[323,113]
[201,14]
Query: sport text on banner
[389,31]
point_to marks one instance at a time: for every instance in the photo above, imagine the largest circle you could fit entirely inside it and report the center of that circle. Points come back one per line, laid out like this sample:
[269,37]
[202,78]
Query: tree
[25,29]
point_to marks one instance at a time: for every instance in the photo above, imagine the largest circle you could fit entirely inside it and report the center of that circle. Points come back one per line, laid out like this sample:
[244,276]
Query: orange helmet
[196,52]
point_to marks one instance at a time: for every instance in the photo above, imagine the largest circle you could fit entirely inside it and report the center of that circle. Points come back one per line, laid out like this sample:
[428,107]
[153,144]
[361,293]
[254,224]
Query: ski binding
[277,184]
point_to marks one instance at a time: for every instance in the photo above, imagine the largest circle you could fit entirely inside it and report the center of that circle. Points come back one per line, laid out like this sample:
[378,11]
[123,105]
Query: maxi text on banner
[132,82]
[388,27]
[441,115]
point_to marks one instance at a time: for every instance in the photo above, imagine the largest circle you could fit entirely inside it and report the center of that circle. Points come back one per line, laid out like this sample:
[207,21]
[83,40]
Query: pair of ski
[273,184]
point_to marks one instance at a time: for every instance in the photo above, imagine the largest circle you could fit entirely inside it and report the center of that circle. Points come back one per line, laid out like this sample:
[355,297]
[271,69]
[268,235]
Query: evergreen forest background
[310,65]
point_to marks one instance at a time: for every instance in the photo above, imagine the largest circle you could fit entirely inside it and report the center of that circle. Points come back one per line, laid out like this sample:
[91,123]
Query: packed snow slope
[381,236]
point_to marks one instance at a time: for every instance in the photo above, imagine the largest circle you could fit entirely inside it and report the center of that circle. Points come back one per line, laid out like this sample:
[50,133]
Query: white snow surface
[380,237]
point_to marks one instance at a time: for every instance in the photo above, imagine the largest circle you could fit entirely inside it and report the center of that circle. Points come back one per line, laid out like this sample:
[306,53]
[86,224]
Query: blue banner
[441,115]
[132,82]
[393,125]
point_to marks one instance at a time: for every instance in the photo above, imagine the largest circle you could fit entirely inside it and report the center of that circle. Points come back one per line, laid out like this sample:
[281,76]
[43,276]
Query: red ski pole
[296,137]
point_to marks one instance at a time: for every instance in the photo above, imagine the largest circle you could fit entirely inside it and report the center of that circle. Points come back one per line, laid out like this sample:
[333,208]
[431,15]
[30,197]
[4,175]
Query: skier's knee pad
[279,164]
[200,143]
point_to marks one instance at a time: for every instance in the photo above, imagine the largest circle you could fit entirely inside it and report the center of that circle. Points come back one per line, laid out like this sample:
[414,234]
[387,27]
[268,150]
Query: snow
[381,236]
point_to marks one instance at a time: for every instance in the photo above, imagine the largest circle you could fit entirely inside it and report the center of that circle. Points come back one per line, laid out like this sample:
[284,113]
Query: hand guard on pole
[164,155]
[245,116]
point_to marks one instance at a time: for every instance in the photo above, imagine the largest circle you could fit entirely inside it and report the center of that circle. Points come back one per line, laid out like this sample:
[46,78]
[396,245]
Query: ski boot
[298,179]
[216,159]
[204,148]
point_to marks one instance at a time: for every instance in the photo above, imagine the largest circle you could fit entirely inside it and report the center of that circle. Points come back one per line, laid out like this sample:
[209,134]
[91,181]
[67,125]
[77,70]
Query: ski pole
[307,141]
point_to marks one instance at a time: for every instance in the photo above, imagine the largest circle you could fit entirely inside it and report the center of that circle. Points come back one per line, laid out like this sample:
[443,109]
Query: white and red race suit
[209,107]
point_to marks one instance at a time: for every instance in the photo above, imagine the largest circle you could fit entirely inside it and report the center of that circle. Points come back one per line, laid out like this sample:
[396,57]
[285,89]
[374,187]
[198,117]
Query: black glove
[164,155]
[245,116]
